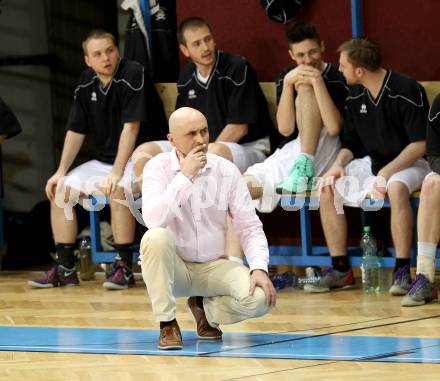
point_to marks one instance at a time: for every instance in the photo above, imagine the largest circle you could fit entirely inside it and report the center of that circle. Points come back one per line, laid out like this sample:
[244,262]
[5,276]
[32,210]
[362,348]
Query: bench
[306,254]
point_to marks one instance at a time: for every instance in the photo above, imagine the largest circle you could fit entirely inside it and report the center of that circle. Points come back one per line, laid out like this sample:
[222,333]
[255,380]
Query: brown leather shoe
[204,330]
[170,337]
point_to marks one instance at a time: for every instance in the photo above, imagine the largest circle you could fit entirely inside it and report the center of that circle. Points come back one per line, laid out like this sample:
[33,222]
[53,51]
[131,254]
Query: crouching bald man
[187,195]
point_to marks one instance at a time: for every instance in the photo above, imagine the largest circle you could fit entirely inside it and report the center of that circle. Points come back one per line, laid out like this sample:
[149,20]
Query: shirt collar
[175,164]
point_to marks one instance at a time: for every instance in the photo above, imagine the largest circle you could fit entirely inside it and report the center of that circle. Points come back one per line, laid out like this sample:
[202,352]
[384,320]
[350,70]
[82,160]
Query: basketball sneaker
[331,279]
[57,276]
[300,179]
[401,281]
[120,278]
[421,291]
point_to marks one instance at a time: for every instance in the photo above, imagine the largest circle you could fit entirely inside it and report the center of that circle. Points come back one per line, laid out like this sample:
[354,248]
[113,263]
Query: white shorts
[278,166]
[87,178]
[164,145]
[359,179]
[243,155]
[247,154]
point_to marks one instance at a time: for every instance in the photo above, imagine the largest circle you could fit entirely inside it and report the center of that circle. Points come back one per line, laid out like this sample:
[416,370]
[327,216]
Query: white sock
[308,156]
[426,259]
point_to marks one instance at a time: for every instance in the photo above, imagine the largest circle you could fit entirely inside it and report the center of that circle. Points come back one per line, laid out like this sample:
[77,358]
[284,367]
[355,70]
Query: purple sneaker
[422,291]
[57,275]
[401,281]
[120,278]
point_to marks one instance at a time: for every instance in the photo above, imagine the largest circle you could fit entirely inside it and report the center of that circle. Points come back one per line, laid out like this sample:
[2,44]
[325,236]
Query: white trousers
[224,284]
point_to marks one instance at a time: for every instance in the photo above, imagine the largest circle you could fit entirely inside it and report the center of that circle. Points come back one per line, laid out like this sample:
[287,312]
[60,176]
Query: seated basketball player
[423,289]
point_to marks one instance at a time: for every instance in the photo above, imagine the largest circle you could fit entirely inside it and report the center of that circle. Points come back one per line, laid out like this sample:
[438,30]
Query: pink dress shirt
[195,210]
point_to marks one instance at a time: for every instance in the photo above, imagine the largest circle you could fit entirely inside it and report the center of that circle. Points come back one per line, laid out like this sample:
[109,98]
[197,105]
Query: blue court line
[345,331]
[247,345]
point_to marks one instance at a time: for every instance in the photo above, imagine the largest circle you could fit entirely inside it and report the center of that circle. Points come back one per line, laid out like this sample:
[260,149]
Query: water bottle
[86,265]
[370,266]
[284,280]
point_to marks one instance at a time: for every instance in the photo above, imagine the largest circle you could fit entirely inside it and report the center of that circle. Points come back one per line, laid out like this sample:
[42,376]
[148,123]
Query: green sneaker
[300,179]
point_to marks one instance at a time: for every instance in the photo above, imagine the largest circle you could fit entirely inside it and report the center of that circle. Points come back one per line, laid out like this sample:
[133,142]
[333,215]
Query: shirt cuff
[258,265]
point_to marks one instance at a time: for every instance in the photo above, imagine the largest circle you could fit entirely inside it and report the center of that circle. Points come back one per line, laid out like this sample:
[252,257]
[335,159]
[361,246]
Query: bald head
[188,129]
[184,116]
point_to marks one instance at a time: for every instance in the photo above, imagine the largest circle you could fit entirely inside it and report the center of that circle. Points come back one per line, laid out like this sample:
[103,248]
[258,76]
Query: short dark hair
[96,33]
[299,31]
[362,52]
[188,23]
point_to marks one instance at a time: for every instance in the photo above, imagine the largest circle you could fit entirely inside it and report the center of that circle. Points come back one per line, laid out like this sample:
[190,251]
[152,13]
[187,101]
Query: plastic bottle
[370,266]
[284,280]
[86,265]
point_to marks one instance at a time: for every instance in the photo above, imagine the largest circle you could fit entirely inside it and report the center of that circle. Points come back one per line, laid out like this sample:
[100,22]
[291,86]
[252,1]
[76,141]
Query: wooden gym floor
[343,334]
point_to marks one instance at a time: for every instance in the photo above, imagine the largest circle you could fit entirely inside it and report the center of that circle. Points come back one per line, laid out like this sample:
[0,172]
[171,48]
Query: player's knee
[220,150]
[142,154]
[431,187]
[254,186]
[398,192]
[117,197]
